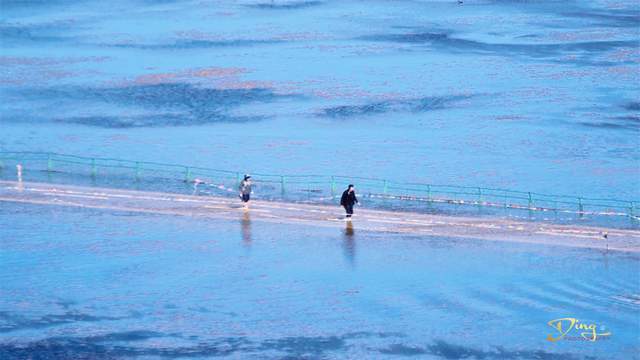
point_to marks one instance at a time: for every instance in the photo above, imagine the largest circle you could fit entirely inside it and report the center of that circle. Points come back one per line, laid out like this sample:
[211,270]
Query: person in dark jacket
[349,199]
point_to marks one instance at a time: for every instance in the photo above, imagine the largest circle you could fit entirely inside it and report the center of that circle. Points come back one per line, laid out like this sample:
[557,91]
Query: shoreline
[492,229]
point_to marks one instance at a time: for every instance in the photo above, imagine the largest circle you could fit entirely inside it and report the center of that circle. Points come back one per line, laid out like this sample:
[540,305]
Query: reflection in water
[246,229]
[349,243]
[605,259]
[229,286]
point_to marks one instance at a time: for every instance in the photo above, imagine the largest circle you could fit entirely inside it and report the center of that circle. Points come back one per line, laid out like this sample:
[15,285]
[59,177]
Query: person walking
[349,199]
[245,190]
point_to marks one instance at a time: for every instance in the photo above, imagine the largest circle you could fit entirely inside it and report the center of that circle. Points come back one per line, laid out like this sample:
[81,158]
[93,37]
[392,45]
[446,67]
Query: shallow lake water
[530,95]
[538,96]
[78,283]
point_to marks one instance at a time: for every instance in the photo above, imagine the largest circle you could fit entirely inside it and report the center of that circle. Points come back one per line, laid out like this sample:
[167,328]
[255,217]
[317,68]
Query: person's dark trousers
[349,210]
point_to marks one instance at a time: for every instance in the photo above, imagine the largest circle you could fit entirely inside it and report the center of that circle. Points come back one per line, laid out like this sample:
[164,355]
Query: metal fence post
[429,193]
[580,207]
[530,201]
[282,184]
[49,162]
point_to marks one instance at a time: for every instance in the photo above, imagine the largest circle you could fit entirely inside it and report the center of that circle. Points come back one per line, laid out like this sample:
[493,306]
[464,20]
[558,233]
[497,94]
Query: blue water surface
[538,96]
[531,95]
[78,283]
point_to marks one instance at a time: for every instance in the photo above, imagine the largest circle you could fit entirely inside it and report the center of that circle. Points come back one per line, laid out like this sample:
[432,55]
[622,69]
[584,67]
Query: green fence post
[580,207]
[49,162]
[282,184]
[333,187]
[137,171]
[187,174]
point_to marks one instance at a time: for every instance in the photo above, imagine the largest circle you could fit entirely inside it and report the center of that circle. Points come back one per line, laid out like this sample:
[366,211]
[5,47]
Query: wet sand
[493,229]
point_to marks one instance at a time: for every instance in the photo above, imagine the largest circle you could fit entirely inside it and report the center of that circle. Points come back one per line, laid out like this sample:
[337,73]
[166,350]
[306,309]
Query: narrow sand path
[494,229]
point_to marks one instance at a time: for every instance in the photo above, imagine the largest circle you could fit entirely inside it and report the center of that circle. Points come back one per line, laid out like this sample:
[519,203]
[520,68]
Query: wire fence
[380,193]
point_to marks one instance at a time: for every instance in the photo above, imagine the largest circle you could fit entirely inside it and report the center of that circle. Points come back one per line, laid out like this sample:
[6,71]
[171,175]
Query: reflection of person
[349,199]
[246,229]
[245,190]
[349,243]
[349,230]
